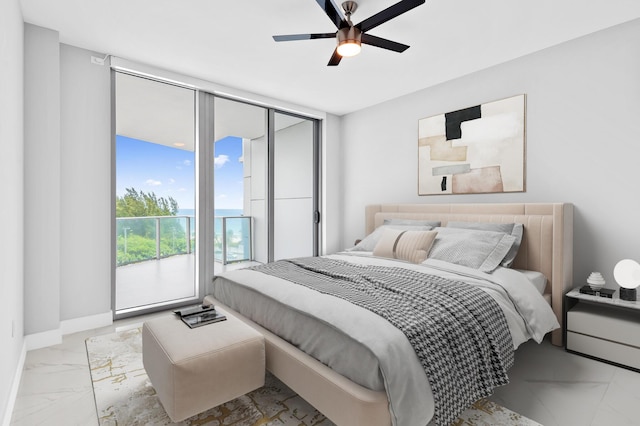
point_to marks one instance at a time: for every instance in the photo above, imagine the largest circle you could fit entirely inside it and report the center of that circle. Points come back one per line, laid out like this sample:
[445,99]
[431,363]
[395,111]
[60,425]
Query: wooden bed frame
[547,247]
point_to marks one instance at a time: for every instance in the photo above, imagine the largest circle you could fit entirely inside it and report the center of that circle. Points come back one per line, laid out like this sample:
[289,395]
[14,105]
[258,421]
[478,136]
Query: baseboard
[43,339]
[50,338]
[13,394]
[54,337]
[86,323]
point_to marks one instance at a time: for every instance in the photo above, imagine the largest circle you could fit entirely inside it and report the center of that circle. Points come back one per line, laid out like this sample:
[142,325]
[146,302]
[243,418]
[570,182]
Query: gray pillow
[370,241]
[483,250]
[412,222]
[514,229]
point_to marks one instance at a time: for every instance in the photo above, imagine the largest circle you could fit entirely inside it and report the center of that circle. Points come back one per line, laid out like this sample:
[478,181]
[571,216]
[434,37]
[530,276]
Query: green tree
[136,237]
[140,204]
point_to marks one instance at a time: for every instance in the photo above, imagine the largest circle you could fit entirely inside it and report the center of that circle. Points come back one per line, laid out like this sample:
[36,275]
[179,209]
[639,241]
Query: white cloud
[152,182]
[171,181]
[220,160]
[187,163]
[221,196]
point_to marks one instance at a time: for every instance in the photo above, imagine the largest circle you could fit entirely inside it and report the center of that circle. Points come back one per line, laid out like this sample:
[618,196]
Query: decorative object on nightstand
[627,275]
[603,292]
[594,287]
[596,281]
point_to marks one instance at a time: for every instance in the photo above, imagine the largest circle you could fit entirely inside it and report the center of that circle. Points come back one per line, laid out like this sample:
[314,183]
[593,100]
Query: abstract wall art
[474,150]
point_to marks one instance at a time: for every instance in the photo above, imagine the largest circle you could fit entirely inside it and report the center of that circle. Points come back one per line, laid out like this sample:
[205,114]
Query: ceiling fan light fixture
[349,48]
[349,41]
[349,36]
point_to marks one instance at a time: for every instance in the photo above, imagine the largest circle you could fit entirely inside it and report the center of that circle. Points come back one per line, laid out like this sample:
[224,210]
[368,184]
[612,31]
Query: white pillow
[536,278]
[409,245]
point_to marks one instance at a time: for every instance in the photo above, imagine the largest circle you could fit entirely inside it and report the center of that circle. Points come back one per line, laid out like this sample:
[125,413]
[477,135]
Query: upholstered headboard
[547,243]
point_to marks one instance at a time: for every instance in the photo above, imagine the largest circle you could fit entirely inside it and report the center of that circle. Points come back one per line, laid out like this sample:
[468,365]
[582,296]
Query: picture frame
[474,150]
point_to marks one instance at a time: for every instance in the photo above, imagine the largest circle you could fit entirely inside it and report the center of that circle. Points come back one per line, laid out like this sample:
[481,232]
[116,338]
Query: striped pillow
[412,246]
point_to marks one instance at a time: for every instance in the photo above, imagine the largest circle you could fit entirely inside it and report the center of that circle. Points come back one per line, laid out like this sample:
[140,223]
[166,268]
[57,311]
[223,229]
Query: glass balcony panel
[233,239]
[153,237]
[174,237]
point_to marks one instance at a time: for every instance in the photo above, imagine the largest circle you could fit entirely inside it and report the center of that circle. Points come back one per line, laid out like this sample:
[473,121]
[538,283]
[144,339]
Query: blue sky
[228,173]
[170,172]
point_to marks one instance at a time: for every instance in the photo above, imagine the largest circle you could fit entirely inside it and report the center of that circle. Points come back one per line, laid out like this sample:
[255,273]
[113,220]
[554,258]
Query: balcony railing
[233,239]
[140,239]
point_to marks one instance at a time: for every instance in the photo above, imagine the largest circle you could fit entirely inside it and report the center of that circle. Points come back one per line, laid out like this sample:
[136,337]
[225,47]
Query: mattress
[363,346]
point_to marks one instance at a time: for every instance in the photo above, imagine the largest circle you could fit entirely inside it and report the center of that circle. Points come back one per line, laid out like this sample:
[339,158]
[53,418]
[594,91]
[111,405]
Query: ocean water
[234,226]
[217,212]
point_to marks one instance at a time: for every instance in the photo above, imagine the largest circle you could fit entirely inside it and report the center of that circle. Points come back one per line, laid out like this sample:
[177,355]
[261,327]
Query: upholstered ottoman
[193,370]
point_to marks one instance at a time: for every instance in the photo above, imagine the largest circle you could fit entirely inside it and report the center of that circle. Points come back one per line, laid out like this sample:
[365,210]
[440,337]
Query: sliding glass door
[295,200]
[240,182]
[155,195]
[202,184]
[279,192]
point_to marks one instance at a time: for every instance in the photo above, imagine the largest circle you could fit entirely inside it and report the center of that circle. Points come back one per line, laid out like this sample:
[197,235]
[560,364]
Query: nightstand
[607,329]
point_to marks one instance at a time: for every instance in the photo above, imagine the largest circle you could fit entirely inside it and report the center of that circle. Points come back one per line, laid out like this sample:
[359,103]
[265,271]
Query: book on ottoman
[197,320]
[196,316]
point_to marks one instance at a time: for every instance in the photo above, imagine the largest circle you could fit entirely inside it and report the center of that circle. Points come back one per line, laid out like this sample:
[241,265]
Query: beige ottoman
[193,370]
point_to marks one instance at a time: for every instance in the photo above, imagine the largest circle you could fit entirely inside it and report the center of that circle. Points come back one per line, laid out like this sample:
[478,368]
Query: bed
[546,248]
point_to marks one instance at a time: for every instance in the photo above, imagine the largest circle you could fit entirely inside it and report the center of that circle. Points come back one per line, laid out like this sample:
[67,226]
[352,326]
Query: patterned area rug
[124,395]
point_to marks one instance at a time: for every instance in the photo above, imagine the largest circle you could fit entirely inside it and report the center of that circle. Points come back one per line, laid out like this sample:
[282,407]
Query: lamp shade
[627,273]
[349,41]
[347,49]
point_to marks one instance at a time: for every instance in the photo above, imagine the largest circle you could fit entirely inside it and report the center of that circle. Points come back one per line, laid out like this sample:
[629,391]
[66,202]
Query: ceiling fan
[351,36]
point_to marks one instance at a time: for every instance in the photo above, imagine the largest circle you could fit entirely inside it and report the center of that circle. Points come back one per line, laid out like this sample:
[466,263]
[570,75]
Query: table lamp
[627,275]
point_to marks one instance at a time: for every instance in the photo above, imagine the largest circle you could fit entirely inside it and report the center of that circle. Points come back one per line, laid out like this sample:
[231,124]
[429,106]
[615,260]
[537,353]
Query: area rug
[124,395]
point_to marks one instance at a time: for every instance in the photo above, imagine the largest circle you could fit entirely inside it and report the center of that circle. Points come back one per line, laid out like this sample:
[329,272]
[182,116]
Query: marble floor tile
[569,403]
[547,384]
[545,362]
[621,402]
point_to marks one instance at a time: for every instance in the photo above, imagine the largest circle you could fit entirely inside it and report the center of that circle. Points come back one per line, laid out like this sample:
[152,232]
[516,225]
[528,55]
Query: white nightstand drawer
[610,351]
[601,321]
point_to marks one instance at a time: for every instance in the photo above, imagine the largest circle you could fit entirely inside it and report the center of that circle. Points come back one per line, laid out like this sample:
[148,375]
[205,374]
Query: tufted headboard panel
[547,243]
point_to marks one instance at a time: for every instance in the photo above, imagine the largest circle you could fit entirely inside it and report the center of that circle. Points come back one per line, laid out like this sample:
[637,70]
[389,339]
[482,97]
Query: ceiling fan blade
[383,43]
[387,14]
[292,37]
[333,13]
[335,58]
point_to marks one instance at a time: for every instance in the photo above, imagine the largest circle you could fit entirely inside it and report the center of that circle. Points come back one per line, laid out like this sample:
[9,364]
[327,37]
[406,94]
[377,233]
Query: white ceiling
[229,42]
[165,114]
[155,112]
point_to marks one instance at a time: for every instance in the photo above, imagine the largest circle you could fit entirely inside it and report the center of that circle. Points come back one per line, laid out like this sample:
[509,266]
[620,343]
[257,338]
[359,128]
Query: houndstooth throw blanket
[458,331]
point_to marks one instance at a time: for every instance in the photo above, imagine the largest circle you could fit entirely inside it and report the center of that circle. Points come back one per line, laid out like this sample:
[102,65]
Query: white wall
[11,212]
[67,189]
[582,127]
[85,194]
[42,180]
[331,222]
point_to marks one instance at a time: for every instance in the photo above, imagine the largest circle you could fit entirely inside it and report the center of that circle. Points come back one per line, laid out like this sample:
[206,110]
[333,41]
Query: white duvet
[381,354]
